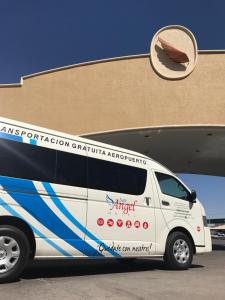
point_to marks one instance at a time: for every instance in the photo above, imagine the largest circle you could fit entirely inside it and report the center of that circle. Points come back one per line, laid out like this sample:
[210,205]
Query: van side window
[114,177]
[102,175]
[71,169]
[171,186]
[33,162]
[27,161]
[132,180]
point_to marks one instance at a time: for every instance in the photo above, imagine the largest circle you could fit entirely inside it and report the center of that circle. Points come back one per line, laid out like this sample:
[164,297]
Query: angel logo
[120,205]
[110,201]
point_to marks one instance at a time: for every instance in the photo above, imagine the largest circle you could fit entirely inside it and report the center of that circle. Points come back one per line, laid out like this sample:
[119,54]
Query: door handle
[166,203]
[147,199]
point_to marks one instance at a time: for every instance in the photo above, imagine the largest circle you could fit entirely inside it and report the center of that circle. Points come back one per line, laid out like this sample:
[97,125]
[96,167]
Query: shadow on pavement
[218,244]
[218,247]
[84,267]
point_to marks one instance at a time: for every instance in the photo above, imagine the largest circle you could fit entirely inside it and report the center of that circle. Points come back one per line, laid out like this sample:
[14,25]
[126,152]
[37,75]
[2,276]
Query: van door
[176,208]
[120,208]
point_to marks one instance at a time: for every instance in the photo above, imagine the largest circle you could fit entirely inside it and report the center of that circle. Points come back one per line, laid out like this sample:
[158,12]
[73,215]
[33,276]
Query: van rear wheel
[179,251]
[14,253]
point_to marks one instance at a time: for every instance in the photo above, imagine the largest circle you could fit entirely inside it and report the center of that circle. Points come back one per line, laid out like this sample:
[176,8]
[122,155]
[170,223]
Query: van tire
[14,253]
[179,251]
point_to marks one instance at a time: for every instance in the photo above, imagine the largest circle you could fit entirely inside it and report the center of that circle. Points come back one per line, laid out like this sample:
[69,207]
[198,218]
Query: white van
[63,196]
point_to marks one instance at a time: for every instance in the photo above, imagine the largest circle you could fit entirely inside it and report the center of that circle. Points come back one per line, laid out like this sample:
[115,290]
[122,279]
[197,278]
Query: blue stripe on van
[35,230]
[33,142]
[11,137]
[35,205]
[69,216]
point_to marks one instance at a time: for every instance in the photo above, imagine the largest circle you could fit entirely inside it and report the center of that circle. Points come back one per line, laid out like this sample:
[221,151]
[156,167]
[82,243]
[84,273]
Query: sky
[45,34]
[210,191]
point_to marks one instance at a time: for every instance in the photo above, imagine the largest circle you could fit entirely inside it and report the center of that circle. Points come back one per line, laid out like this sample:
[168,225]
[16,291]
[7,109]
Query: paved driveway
[142,279]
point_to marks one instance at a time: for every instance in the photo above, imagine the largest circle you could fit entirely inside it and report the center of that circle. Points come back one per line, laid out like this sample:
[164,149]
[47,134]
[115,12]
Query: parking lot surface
[140,279]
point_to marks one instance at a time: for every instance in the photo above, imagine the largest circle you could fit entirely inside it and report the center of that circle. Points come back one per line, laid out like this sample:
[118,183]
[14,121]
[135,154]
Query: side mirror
[192,197]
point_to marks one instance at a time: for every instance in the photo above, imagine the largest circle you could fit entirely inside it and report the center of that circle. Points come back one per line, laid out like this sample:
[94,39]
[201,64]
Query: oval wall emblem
[174,52]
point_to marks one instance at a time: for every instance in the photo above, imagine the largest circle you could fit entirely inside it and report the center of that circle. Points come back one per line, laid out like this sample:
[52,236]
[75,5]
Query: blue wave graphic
[35,230]
[69,216]
[34,204]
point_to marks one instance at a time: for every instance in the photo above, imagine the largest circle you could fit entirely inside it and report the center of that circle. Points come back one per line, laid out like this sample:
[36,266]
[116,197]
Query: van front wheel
[179,251]
[14,253]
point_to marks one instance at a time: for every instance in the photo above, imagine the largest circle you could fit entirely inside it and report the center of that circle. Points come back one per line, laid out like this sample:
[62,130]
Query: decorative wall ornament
[174,52]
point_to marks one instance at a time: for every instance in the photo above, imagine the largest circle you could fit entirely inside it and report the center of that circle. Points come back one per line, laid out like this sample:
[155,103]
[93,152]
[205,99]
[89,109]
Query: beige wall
[118,94]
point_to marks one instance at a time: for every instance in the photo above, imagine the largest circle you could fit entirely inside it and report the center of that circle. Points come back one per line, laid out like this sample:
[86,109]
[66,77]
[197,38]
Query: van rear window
[27,161]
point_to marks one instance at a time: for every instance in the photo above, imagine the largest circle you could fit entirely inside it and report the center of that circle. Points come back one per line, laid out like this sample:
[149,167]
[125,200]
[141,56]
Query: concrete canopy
[189,149]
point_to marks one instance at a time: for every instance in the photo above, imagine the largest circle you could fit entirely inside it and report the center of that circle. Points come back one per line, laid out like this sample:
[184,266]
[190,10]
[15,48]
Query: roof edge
[156,127]
[22,78]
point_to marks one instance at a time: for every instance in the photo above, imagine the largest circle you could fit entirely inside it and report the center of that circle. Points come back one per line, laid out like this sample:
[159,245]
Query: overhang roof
[183,149]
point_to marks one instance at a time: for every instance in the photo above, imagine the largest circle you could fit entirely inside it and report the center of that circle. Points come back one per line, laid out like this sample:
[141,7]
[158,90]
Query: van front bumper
[208,243]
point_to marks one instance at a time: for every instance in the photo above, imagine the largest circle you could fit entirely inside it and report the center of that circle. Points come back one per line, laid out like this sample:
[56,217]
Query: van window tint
[114,177]
[171,186]
[32,162]
[132,179]
[27,161]
[71,169]
[102,175]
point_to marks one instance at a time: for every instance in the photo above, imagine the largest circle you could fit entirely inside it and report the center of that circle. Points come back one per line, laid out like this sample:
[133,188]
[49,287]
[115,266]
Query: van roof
[80,139]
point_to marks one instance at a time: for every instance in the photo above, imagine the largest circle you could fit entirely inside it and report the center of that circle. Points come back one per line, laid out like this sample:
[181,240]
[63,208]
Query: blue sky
[45,34]
[210,191]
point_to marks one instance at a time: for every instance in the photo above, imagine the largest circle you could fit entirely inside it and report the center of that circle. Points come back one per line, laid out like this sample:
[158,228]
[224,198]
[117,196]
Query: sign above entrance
[174,52]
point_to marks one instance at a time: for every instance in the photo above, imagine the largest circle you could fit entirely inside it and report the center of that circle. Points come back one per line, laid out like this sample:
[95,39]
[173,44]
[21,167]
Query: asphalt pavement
[110,279]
